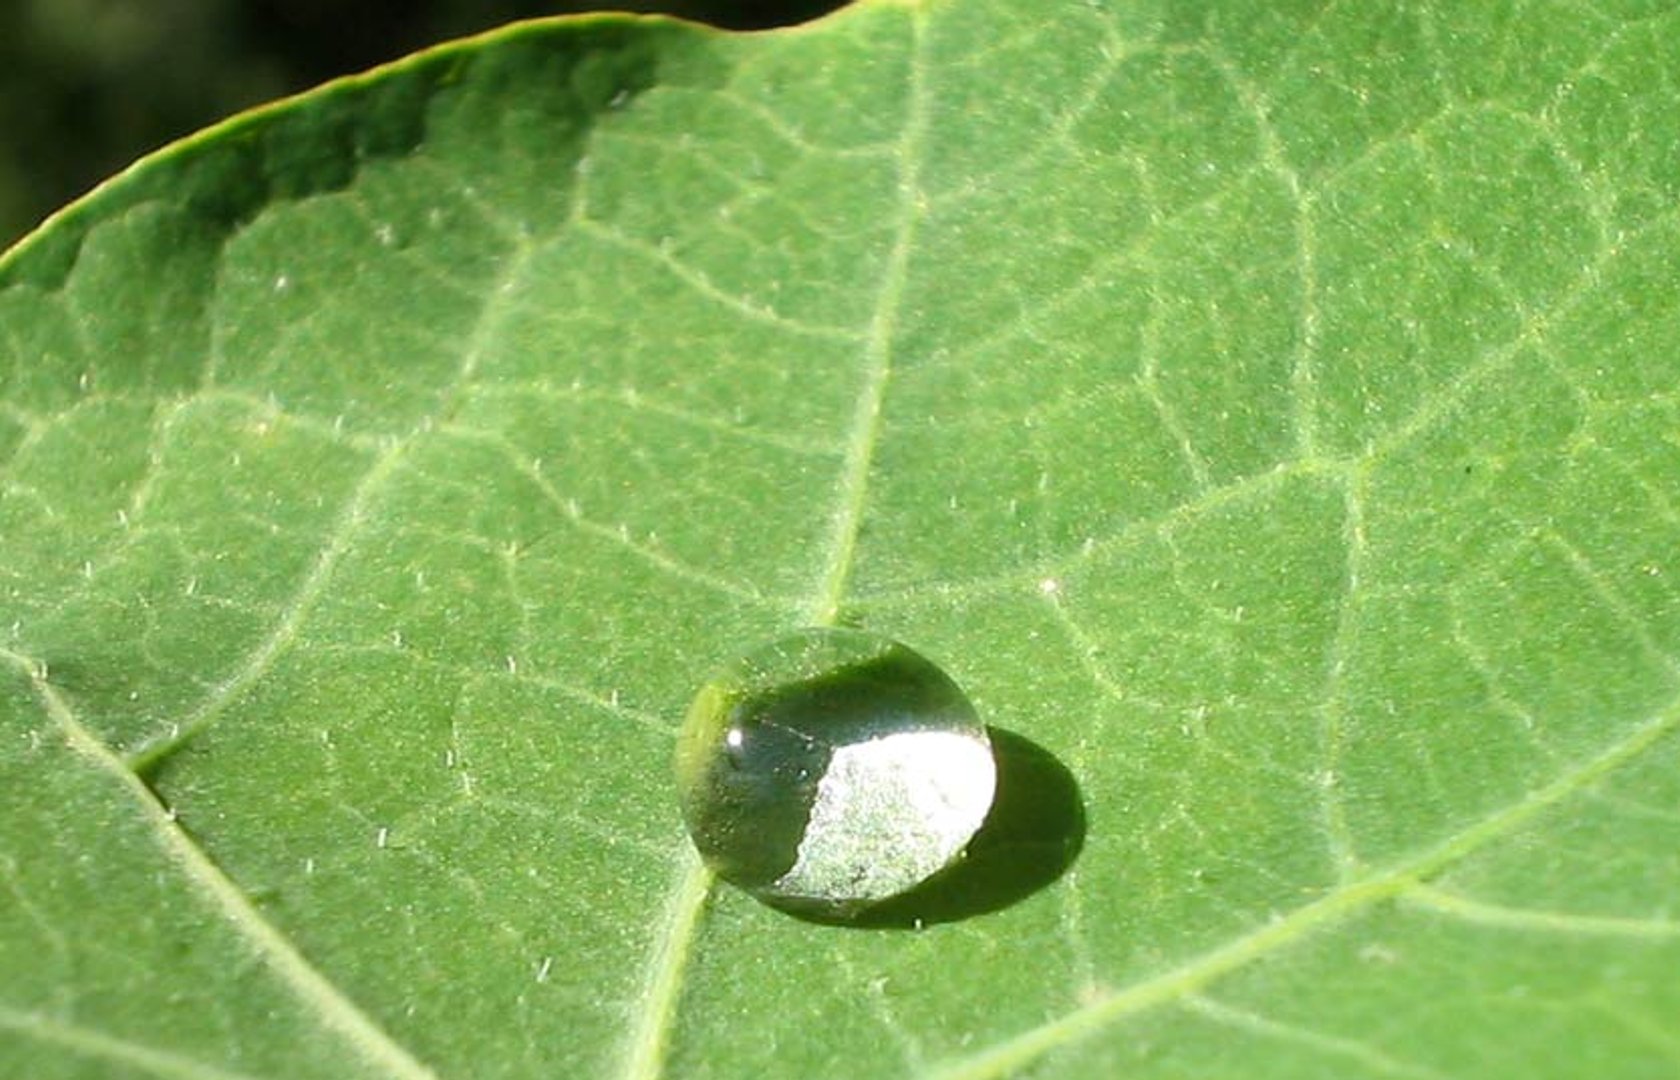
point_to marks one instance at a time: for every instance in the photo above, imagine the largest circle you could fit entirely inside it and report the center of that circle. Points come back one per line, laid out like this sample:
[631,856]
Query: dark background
[87,86]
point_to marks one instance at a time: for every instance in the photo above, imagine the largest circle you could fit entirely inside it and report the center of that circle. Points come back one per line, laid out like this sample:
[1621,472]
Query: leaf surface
[1270,413]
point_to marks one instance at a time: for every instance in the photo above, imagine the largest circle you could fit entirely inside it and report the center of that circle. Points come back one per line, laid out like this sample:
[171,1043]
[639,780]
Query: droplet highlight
[833,769]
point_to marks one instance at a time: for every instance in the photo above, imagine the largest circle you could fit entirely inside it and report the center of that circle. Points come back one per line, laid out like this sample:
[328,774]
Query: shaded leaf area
[1269,417]
[85,86]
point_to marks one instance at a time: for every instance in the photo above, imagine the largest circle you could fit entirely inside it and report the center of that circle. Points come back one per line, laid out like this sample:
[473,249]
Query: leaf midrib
[668,956]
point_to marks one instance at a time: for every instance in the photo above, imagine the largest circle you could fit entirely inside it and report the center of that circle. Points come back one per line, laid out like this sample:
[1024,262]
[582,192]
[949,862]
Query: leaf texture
[1270,410]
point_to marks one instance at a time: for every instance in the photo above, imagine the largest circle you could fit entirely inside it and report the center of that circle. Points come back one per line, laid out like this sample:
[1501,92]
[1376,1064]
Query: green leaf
[1270,410]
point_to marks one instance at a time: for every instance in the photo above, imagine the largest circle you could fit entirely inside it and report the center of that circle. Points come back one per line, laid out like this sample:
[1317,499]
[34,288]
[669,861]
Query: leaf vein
[1394,882]
[111,1048]
[877,356]
[312,988]
[648,1045]
[667,963]
[352,517]
[1503,917]
[1334,1045]
[704,285]
[655,557]
[1333,713]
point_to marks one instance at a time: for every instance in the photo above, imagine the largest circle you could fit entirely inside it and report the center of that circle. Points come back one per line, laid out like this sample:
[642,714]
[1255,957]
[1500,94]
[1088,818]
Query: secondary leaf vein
[1397,881]
[110,1048]
[312,988]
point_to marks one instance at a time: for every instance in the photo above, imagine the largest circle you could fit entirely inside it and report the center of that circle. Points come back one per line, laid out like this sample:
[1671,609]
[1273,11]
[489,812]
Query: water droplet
[833,769]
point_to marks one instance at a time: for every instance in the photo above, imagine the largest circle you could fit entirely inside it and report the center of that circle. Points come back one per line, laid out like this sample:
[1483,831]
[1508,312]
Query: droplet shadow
[1033,834]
